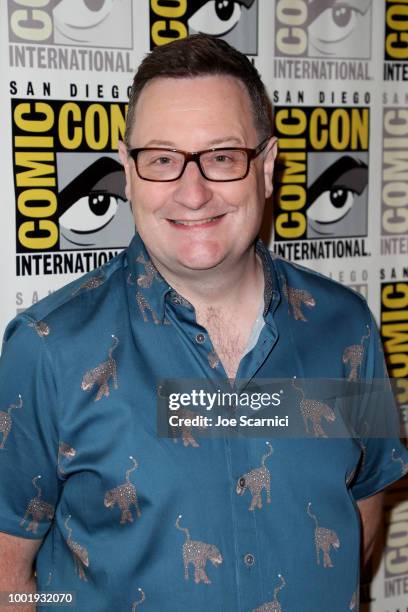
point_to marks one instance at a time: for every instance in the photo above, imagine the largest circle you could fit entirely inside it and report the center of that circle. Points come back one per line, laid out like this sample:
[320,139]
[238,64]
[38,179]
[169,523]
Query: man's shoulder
[73,304]
[297,281]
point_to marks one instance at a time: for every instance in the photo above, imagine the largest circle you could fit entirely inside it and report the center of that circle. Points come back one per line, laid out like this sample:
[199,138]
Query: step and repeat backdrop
[337,73]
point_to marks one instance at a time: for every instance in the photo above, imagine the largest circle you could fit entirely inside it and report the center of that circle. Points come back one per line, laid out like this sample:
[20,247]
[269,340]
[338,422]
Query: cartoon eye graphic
[217,17]
[331,205]
[331,26]
[81,14]
[90,213]
[91,200]
[335,191]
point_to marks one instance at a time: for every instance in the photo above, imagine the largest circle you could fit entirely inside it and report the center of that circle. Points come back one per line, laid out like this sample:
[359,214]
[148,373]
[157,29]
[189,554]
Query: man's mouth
[197,222]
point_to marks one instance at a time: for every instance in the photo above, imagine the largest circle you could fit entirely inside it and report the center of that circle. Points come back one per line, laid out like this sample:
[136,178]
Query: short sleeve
[384,457]
[29,484]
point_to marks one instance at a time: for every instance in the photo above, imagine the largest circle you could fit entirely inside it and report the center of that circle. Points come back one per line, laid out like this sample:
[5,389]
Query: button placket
[249,561]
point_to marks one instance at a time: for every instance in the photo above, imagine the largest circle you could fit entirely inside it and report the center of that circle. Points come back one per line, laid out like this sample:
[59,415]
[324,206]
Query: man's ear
[269,163]
[126,163]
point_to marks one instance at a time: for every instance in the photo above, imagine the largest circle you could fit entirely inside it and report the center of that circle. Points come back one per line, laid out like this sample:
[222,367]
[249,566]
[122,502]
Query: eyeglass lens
[219,165]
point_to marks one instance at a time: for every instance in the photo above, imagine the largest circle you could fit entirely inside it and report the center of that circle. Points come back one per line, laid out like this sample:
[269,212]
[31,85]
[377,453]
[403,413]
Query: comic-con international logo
[394,192]
[396,40]
[329,30]
[69,184]
[321,182]
[394,332]
[97,23]
[236,21]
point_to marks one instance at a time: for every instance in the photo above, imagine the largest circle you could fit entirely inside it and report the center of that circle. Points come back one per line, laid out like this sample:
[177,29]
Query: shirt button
[249,560]
[200,338]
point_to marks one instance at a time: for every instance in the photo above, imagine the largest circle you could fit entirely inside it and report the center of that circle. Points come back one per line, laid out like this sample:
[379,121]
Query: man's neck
[223,288]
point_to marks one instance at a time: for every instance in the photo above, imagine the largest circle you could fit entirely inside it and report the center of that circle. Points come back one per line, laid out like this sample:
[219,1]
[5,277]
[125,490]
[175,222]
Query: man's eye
[160,161]
[216,17]
[331,205]
[82,13]
[334,24]
[163,160]
[220,159]
[90,213]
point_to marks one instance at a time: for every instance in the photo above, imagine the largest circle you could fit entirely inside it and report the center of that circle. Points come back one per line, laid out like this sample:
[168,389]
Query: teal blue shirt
[82,467]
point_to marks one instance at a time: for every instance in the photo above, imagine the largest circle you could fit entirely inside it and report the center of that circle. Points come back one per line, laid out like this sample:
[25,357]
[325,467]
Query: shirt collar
[152,287]
[271,292]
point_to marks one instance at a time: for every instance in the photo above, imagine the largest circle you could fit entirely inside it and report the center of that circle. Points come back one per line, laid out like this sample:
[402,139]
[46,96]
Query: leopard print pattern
[145,306]
[91,283]
[179,300]
[140,601]
[146,280]
[324,539]
[256,481]
[124,496]
[6,422]
[296,298]
[273,606]
[102,374]
[314,411]
[185,430]
[213,360]
[41,327]
[353,355]
[64,450]
[37,509]
[197,554]
[79,553]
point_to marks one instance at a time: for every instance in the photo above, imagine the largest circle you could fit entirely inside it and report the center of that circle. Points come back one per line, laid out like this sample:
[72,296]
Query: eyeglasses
[222,165]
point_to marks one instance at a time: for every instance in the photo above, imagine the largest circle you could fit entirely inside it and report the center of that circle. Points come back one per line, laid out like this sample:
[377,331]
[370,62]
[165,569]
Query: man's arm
[371,513]
[17,567]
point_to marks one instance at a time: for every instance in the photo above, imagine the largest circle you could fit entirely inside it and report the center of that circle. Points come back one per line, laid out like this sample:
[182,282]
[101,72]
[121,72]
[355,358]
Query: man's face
[194,224]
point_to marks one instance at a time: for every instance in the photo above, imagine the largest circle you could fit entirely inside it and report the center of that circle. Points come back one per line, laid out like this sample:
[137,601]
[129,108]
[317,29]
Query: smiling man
[200,219]
[90,496]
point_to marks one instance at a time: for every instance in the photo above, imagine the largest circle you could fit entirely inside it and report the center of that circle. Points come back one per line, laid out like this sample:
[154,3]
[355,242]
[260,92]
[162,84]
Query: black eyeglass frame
[195,157]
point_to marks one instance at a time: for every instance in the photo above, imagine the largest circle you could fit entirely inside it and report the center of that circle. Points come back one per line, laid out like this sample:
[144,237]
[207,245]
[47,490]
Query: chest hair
[228,337]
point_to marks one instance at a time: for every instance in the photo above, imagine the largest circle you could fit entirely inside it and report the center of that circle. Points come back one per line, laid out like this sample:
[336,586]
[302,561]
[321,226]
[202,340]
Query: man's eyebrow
[225,140]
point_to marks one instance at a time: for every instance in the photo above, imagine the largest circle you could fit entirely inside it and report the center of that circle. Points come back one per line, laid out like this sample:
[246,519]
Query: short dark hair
[202,55]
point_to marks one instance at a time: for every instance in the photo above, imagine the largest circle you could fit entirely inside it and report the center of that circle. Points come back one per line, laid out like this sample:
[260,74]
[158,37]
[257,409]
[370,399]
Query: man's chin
[202,264]
[201,257]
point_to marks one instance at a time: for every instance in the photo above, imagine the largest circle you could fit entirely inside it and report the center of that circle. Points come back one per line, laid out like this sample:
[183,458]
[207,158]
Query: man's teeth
[200,222]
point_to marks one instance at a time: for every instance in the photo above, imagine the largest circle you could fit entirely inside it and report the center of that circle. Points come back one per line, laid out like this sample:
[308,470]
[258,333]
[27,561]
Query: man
[105,507]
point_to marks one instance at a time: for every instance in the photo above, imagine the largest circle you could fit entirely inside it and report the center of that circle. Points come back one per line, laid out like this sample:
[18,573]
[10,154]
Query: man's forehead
[192,93]
[169,107]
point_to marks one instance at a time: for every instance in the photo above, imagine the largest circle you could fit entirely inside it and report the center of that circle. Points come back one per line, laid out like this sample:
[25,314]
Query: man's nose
[193,190]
